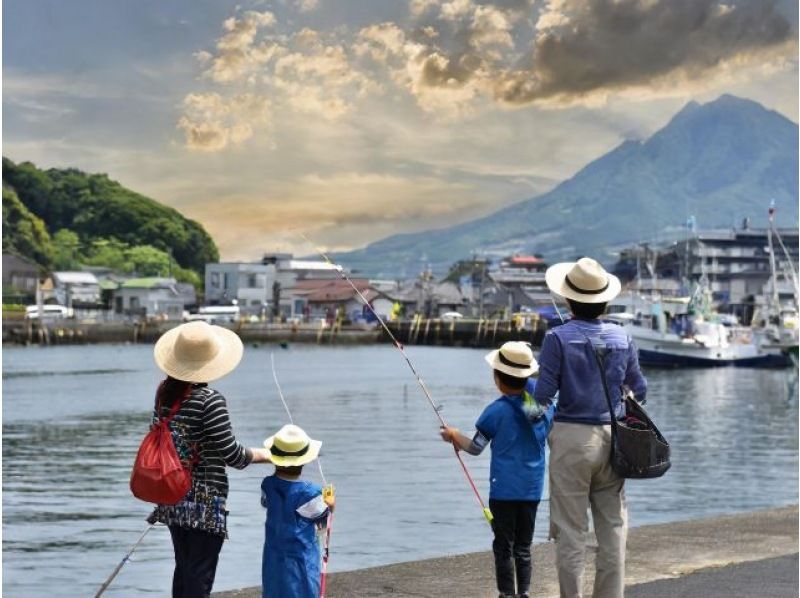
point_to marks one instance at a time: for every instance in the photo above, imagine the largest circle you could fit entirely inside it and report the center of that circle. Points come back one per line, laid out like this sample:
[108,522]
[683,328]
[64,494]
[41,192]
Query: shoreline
[664,553]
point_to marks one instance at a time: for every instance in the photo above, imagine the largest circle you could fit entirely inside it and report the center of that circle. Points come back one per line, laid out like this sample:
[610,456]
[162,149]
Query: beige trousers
[581,478]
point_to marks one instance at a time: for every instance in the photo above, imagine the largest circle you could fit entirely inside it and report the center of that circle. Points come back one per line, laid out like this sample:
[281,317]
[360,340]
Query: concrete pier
[748,554]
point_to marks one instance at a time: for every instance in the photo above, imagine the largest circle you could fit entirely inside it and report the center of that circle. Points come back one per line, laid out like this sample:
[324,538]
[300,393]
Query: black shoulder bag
[638,449]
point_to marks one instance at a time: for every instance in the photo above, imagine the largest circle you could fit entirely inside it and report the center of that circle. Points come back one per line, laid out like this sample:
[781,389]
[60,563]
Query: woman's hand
[261,455]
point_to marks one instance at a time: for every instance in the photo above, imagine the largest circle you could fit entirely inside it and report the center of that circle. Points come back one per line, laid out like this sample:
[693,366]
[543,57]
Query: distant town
[734,264]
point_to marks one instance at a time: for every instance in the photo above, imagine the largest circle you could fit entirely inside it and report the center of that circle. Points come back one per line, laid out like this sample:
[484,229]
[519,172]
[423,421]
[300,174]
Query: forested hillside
[62,218]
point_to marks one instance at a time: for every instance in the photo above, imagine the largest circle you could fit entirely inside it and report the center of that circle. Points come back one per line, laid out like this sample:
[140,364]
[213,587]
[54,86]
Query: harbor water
[73,418]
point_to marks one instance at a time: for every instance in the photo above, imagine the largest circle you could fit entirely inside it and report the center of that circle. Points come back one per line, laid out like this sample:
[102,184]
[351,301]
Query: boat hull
[671,360]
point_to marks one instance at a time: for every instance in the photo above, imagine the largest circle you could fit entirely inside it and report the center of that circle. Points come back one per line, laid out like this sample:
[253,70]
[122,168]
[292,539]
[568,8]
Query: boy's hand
[448,433]
[329,496]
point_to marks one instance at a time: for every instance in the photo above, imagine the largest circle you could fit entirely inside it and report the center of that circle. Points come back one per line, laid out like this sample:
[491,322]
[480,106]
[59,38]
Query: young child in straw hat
[517,428]
[296,509]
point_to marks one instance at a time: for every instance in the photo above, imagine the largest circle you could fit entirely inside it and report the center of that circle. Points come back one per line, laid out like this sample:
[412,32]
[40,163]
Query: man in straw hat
[580,442]
[291,564]
[517,427]
[192,355]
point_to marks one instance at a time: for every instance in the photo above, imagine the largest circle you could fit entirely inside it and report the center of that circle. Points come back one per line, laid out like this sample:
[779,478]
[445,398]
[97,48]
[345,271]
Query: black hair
[513,382]
[289,469]
[586,311]
[170,390]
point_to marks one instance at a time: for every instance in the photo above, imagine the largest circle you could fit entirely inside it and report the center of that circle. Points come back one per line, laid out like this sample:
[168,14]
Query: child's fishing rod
[437,409]
[124,560]
[327,491]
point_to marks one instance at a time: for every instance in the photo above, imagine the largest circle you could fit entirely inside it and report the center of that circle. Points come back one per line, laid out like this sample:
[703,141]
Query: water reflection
[69,441]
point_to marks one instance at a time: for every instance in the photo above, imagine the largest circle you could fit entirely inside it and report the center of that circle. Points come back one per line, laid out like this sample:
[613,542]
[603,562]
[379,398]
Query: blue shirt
[518,464]
[567,366]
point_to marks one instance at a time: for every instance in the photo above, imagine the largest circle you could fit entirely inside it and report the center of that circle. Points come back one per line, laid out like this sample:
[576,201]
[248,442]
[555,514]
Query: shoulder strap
[175,407]
[601,366]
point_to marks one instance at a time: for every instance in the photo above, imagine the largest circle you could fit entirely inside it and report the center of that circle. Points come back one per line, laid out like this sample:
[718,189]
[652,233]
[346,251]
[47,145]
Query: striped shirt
[203,437]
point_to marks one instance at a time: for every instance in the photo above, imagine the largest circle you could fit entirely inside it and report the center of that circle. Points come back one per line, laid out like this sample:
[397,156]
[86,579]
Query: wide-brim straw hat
[514,358]
[291,447]
[198,352]
[585,281]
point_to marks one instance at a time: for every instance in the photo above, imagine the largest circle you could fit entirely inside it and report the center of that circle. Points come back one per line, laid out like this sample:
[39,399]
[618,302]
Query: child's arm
[473,446]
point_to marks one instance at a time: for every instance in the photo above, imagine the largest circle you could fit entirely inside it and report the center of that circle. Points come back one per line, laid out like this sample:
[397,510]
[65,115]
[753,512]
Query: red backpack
[158,475]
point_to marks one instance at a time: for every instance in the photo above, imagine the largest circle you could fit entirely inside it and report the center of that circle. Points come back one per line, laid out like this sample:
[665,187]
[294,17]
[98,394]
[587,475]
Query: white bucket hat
[291,446]
[585,281]
[198,352]
[514,358]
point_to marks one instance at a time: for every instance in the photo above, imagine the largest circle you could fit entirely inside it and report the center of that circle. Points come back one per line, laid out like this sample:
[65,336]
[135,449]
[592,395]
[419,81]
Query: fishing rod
[327,490]
[124,560]
[436,408]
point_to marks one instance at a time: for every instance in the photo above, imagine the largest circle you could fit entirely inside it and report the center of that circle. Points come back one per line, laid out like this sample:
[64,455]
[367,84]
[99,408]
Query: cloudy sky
[356,119]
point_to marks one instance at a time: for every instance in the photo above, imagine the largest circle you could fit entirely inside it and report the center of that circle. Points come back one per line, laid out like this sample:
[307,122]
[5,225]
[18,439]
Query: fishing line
[289,413]
[436,408]
[124,560]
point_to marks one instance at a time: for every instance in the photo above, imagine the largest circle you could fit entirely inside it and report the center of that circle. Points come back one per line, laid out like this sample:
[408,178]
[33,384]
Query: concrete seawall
[705,551]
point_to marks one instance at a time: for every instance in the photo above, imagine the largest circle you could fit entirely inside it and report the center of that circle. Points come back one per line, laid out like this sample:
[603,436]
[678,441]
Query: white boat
[669,332]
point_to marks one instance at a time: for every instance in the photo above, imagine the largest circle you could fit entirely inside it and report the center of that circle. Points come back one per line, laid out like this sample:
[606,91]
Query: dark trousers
[513,525]
[196,556]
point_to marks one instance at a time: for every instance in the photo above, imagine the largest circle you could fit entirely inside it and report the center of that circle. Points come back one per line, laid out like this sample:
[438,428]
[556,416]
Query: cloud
[306,5]
[584,47]
[212,122]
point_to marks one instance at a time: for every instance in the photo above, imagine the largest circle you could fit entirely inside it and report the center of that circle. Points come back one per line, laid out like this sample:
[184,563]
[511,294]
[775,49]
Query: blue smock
[291,562]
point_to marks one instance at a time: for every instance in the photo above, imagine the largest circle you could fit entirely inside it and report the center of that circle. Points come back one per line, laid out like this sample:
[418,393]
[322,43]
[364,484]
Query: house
[429,298]
[20,276]
[260,286]
[323,298]
[154,298]
[80,290]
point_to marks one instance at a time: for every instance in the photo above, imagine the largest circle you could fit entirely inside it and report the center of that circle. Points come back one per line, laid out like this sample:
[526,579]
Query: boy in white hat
[517,427]
[291,562]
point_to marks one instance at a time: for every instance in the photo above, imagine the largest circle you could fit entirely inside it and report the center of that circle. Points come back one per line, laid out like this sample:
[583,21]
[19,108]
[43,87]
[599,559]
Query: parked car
[49,312]
[451,315]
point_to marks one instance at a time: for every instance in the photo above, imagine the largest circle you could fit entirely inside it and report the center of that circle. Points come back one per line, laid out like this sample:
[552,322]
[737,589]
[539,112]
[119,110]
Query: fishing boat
[680,332]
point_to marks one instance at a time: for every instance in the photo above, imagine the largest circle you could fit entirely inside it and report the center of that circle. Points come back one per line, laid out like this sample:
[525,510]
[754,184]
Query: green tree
[146,260]
[66,250]
[23,233]
[110,253]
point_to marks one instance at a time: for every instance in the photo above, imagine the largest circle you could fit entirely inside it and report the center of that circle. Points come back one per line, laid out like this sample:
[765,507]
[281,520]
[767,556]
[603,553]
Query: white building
[153,297]
[254,285]
[76,289]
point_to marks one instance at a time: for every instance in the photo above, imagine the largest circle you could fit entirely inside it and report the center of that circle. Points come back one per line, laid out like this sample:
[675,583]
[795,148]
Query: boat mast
[774,302]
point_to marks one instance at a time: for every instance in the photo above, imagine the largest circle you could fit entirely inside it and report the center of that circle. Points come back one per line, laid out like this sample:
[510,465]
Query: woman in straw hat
[192,355]
[580,441]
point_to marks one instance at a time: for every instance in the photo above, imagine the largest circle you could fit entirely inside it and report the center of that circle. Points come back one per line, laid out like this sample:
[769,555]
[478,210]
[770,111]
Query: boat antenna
[774,230]
[436,408]
[124,560]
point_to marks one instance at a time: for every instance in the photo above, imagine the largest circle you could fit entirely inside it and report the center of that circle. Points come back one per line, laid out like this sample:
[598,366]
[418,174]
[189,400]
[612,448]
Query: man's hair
[512,382]
[289,469]
[586,311]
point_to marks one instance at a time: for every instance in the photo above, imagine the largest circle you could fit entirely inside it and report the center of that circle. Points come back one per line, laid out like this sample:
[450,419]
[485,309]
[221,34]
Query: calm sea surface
[73,418]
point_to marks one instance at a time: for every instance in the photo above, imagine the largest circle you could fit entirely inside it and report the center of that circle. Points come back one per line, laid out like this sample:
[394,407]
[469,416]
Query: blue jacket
[518,447]
[291,562]
[568,367]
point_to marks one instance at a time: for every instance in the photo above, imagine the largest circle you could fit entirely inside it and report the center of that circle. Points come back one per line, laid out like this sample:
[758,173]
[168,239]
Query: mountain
[103,222]
[721,162]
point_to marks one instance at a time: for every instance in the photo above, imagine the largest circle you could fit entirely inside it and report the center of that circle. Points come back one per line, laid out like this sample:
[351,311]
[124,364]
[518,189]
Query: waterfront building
[259,287]
[19,279]
[154,297]
[523,273]
[325,298]
[78,290]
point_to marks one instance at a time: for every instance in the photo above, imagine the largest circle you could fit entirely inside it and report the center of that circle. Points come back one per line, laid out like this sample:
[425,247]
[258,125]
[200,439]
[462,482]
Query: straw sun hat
[514,358]
[198,352]
[291,446]
[585,281]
